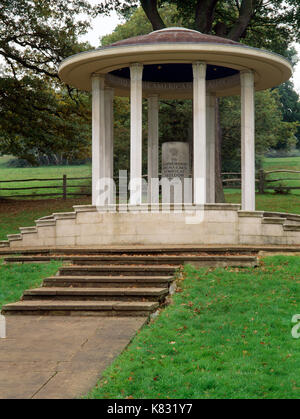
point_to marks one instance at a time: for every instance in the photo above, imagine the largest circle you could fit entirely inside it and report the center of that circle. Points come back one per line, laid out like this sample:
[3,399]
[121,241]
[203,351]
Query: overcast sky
[105,25]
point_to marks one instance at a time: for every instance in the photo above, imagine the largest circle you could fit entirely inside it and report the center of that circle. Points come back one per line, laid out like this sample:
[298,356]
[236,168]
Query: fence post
[261,185]
[64,187]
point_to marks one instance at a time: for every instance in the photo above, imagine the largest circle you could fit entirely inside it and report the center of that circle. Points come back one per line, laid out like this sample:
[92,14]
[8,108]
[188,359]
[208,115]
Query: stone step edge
[14,237]
[273,220]
[291,227]
[115,278]
[52,291]
[82,305]
[28,230]
[171,259]
[4,243]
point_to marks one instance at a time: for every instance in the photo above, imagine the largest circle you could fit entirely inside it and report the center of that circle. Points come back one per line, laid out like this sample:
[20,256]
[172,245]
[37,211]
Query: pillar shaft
[248,141]
[136,74]
[109,138]
[98,133]
[211,148]
[153,134]
[199,142]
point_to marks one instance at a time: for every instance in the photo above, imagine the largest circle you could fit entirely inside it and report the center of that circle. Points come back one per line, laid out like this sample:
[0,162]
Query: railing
[232,180]
[65,188]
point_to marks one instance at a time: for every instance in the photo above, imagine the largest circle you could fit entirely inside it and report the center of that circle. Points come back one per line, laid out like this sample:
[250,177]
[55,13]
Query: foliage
[46,123]
[270,127]
[227,335]
[290,108]
[39,117]
[271,24]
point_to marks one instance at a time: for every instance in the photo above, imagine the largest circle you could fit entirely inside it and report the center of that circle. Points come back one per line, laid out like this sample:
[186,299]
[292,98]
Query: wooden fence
[232,180]
[65,188]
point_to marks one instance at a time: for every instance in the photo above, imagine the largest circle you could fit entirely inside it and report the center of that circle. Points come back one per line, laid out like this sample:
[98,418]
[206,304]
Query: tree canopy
[39,116]
[272,24]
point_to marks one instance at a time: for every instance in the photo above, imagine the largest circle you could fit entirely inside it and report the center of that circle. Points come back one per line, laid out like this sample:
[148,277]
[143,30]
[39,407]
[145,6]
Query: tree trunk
[151,11]
[220,197]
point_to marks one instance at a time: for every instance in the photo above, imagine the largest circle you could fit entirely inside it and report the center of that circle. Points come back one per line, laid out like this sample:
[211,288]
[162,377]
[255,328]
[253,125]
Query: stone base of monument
[159,224]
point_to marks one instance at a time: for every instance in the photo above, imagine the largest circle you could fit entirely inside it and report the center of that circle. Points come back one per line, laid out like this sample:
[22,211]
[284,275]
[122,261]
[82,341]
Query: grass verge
[14,279]
[15,213]
[226,335]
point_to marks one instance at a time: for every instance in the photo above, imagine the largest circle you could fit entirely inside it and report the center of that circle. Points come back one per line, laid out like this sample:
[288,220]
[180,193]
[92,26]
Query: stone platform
[210,224]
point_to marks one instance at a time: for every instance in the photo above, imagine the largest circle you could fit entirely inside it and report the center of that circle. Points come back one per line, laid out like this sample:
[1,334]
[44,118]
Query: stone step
[14,237]
[116,281]
[28,230]
[207,260]
[273,220]
[4,244]
[81,308]
[63,252]
[111,270]
[291,227]
[96,294]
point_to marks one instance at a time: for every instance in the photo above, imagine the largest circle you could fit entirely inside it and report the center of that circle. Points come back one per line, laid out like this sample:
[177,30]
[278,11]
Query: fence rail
[263,181]
[63,188]
[231,180]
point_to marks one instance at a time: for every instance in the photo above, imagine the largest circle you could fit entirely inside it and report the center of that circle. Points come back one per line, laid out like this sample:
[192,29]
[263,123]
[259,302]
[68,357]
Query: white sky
[104,25]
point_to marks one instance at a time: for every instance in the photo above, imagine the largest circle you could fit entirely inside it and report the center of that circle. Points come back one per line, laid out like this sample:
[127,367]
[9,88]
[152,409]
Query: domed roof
[167,56]
[174,35]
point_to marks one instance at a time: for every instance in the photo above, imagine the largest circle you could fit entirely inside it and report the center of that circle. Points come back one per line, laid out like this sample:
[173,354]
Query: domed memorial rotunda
[173,63]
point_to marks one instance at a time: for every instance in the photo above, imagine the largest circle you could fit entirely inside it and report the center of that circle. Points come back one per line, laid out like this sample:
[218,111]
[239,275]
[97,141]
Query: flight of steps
[113,282]
[102,289]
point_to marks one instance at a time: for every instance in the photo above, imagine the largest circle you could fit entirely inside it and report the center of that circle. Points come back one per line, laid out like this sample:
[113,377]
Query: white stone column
[109,138]
[248,141]
[211,148]
[199,148]
[153,134]
[136,75]
[98,133]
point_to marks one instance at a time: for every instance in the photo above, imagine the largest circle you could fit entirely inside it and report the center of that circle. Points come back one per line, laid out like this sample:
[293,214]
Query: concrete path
[60,357]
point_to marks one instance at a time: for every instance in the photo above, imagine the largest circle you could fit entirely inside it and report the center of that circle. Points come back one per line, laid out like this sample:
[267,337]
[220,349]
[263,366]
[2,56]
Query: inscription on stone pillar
[176,168]
[175,160]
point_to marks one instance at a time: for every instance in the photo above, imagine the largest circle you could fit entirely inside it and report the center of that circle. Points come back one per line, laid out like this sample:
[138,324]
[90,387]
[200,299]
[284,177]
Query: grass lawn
[17,213]
[226,335]
[45,172]
[14,279]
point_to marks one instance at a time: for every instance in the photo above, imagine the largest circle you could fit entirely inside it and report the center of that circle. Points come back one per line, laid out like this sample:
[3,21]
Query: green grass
[14,279]
[271,201]
[287,163]
[17,213]
[45,172]
[226,335]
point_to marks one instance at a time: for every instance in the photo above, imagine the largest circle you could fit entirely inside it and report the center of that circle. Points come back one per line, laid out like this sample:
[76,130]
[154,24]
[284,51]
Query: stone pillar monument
[176,172]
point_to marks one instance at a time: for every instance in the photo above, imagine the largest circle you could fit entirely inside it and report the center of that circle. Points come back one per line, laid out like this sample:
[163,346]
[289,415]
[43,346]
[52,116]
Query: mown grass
[45,172]
[269,201]
[17,213]
[14,279]
[227,334]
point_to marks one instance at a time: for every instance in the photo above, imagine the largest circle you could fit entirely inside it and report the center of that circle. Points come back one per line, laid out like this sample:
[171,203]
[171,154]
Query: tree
[270,127]
[39,116]
[290,102]
[270,24]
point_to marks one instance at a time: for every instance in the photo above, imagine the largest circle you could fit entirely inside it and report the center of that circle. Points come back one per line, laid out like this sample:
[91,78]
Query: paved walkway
[60,357]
